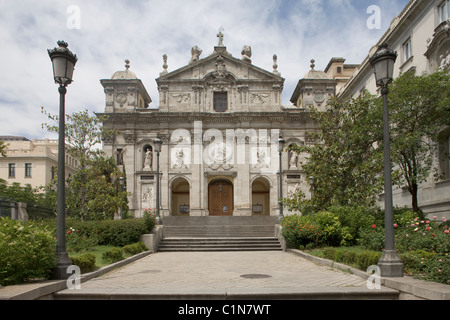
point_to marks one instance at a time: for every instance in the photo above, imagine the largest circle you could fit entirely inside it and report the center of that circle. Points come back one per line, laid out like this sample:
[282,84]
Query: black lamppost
[63,65]
[383,63]
[311,183]
[157,143]
[280,195]
[122,188]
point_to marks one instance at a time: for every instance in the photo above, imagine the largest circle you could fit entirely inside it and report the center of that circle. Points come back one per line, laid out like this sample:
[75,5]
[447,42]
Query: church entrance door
[220,198]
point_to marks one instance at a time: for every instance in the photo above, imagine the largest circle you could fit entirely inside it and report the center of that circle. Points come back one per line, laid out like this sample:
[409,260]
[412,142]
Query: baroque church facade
[220,119]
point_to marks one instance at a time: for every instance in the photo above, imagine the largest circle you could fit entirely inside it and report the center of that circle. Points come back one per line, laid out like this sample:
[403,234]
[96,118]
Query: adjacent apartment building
[421,36]
[32,162]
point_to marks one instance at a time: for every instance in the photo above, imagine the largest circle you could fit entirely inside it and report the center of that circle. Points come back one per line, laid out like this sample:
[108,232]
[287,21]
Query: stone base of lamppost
[62,263]
[390,264]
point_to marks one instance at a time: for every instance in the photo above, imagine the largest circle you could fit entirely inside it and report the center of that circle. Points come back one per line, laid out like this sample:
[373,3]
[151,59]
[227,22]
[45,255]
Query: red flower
[374,226]
[69,232]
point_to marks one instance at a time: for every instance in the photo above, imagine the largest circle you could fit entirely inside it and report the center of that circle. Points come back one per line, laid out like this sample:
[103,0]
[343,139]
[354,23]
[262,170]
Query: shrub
[111,232]
[354,218]
[113,255]
[77,241]
[367,258]
[135,248]
[86,262]
[356,256]
[300,231]
[419,234]
[427,265]
[329,253]
[149,219]
[27,251]
[335,233]
[372,238]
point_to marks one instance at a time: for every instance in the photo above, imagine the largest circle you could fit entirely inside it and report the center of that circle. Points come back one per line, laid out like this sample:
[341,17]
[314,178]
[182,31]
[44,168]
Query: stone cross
[220,36]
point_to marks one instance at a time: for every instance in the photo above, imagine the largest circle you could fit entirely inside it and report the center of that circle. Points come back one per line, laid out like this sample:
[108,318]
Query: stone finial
[127,64]
[275,65]
[312,64]
[165,66]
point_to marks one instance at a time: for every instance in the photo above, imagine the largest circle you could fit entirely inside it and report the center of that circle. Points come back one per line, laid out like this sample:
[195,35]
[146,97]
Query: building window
[11,170]
[339,69]
[407,53]
[27,170]
[444,11]
[220,101]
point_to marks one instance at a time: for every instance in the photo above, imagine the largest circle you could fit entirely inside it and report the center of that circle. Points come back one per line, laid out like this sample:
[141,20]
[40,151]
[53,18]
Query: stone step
[219,231]
[228,233]
[220,221]
[249,294]
[219,244]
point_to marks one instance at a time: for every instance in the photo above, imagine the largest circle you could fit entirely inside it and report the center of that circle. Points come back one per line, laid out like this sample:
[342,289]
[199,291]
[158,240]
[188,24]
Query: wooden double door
[220,198]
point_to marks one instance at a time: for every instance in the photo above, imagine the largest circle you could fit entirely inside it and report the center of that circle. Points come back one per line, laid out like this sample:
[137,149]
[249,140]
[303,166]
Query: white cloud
[142,31]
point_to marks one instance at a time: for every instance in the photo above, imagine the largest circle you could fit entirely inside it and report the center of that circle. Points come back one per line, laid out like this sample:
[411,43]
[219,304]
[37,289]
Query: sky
[104,33]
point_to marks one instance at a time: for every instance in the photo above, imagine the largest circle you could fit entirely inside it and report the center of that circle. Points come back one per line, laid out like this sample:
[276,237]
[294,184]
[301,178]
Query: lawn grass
[98,252]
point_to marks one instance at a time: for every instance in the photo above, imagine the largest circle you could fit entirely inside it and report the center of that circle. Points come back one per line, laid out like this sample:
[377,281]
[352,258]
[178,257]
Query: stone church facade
[220,119]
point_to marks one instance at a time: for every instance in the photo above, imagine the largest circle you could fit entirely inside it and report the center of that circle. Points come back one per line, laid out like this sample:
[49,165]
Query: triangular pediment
[220,66]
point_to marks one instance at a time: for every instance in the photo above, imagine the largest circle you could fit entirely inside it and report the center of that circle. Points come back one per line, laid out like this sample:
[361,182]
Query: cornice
[190,117]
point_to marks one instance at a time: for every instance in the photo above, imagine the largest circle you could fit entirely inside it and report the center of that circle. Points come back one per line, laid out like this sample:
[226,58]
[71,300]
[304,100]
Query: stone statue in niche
[120,153]
[247,54]
[148,159]
[293,160]
[445,61]
[196,52]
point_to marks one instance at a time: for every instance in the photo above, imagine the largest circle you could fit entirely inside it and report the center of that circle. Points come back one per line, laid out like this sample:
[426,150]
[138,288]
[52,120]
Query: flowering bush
[422,244]
[300,231]
[76,241]
[416,234]
[372,238]
[150,219]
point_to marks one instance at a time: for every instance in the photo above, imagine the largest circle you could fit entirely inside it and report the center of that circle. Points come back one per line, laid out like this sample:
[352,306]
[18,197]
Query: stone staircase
[228,233]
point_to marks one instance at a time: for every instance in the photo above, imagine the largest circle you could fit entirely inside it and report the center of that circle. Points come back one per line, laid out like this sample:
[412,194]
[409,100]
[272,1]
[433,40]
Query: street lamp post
[63,65]
[280,195]
[122,188]
[383,63]
[157,143]
[311,183]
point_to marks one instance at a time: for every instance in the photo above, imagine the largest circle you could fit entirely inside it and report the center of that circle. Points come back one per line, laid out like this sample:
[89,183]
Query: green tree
[84,135]
[3,147]
[346,161]
[102,192]
[419,110]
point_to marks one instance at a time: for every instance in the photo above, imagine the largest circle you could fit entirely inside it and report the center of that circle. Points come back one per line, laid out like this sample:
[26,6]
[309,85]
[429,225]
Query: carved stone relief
[148,197]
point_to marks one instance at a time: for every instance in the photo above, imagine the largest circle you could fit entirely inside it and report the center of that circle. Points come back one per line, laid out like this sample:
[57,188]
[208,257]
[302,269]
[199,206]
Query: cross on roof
[220,36]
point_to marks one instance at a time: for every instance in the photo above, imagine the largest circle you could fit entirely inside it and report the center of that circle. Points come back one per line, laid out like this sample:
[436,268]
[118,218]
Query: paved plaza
[223,270]
[221,275]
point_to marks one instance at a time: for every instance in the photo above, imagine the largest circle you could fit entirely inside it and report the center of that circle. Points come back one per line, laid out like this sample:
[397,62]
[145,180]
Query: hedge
[117,233]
